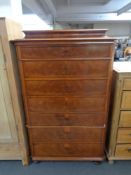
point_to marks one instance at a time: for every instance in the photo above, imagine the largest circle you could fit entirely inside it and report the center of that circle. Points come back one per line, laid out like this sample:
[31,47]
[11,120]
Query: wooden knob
[129,150]
[67,130]
[66,145]
[66,116]
[66,99]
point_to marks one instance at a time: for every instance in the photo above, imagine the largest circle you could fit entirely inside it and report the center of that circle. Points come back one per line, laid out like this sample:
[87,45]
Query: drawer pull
[67,130]
[66,99]
[66,117]
[129,150]
[67,146]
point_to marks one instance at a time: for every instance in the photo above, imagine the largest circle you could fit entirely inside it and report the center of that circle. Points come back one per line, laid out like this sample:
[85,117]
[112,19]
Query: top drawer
[66,51]
[127,84]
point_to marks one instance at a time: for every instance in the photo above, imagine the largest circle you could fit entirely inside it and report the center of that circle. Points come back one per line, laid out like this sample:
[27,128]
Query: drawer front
[125,119]
[95,68]
[124,136]
[126,100]
[40,119]
[123,150]
[66,52]
[67,150]
[127,84]
[66,87]
[66,104]
[66,133]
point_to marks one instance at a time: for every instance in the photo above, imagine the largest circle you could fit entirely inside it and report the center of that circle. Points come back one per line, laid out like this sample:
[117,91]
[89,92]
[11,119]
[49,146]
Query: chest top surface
[122,67]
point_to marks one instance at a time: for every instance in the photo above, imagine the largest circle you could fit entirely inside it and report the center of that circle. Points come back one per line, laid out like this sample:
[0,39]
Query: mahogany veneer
[66,77]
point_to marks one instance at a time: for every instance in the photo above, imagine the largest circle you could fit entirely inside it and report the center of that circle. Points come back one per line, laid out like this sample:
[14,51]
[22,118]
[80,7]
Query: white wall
[11,9]
[33,22]
[122,29]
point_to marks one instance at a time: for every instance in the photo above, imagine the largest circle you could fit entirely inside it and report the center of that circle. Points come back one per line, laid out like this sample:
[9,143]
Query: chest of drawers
[120,129]
[66,78]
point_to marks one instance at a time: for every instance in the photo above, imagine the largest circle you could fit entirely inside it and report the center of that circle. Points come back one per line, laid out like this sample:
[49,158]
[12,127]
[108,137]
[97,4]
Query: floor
[65,168]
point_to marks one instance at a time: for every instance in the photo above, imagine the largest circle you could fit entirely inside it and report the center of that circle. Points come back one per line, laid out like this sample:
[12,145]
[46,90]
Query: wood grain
[125,119]
[124,135]
[66,134]
[66,104]
[66,150]
[127,84]
[78,33]
[66,119]
[17,147]
[126,103]
[71,52]
[68,69]
[119,147]
[66,89]
[75,87]
[123,150]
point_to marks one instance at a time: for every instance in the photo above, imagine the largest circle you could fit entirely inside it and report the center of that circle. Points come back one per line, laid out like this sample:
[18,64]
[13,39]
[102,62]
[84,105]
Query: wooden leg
[25,161]
[36,161]
[97,162]
[111,162]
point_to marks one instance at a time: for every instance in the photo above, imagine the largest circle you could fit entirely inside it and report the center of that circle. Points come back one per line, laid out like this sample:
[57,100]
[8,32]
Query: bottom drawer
[67,150]
[66,134]
[123,150]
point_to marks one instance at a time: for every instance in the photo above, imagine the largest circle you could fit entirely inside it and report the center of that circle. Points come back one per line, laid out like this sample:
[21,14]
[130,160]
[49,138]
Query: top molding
[82,33]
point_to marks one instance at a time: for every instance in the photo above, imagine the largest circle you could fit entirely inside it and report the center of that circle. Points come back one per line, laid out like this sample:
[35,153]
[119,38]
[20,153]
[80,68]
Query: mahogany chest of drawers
[66,78]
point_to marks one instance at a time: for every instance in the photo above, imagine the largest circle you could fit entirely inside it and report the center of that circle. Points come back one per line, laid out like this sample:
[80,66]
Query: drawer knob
[129,150]
[67,130]
[66,117]
[66,146]
[66,99]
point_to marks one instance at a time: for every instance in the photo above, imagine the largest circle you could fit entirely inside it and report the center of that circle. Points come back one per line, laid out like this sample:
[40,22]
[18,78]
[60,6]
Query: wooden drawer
[66,104]
[126,100]
[67,150]
[123,150]
[66,133]
[40,119]
[66,87]
[66,52]
[124,136]
[125,119]
[127,84]
[38,69]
